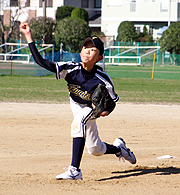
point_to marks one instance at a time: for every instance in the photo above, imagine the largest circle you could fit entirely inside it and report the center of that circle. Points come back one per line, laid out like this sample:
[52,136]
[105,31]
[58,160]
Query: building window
[49,3]
[164,6]
[133,6]
[27,4]
[178,11]
[97,3]
[13,3]
[85,3]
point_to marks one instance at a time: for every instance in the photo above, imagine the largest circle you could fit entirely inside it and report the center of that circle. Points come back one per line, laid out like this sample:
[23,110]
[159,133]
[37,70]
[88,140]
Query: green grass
[32,89]
[148,91]
[144,72]
[49,90]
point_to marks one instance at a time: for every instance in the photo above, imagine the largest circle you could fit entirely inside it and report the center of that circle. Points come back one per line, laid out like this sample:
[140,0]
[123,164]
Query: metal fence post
[157,55]
[137,52]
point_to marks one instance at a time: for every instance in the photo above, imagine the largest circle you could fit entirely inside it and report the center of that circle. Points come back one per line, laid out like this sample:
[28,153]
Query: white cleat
[72,173]
[125,152]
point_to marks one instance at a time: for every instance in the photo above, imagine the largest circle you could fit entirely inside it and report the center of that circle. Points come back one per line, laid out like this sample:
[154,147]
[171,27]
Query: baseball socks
[73,171]
[78,147]
[111,149]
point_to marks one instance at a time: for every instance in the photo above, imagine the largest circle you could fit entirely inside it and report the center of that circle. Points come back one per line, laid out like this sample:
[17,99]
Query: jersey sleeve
[49,65]
[63,68]
[105,78]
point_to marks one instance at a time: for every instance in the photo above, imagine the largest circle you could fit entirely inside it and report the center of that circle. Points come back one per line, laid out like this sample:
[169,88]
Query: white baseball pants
[88,129]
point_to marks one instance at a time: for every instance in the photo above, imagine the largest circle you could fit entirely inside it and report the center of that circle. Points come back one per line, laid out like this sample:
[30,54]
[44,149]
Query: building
[35,9]
[106,15]
[155,14]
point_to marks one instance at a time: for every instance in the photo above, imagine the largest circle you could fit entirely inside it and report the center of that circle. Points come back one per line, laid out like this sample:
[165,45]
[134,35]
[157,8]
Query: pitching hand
[26,30]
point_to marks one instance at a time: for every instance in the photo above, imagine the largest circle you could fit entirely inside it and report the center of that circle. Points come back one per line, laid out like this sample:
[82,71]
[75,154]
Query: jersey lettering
[75,89]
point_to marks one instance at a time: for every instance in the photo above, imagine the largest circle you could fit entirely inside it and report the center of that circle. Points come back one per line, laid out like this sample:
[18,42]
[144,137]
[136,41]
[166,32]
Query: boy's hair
[97,43]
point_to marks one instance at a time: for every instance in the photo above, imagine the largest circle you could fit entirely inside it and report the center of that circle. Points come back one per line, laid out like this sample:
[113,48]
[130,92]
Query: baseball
[23,18]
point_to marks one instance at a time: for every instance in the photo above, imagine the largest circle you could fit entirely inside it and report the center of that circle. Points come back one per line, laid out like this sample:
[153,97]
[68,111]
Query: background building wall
[153,13]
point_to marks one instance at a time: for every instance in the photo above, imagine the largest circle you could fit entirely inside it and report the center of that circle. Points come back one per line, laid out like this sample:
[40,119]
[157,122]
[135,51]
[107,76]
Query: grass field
[49,90]
[138,72]
[144,72]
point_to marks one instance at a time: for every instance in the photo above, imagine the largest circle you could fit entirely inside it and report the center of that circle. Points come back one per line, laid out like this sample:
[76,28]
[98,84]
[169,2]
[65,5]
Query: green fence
[139,59]
[131,60]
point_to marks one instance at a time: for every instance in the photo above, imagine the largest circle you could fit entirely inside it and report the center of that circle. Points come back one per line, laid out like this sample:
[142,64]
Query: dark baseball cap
[97,43]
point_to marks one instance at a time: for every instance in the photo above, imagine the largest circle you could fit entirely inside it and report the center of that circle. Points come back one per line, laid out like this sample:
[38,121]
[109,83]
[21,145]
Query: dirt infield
[35,146]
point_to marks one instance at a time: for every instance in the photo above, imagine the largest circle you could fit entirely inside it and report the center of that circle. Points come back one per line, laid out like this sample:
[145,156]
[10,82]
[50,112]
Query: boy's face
[90,54]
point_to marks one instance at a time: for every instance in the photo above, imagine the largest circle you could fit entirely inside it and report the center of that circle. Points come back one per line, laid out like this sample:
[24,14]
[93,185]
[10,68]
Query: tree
[145,30]
[126,32]
[71,32]
[15,12]
[42,29]
[170,40]
[144,36]
[63,12]
[80,13]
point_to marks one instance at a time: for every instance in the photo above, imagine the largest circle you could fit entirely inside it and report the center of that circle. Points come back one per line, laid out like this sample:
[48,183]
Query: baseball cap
[97,43]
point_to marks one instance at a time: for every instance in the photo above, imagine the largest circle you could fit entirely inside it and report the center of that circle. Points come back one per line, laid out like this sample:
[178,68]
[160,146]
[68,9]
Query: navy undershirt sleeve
[49,65]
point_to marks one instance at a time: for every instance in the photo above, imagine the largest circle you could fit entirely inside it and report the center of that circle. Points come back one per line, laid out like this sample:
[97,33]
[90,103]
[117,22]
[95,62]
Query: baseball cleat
[125,152]
[72,173]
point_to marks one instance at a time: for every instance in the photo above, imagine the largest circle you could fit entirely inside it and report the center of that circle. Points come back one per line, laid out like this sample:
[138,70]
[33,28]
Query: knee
[96,150]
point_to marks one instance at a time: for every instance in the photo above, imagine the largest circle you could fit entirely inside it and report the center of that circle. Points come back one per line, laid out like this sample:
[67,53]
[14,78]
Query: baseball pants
[88,129]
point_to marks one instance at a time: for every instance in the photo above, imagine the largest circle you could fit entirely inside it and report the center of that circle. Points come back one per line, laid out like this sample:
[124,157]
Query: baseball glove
[101,99]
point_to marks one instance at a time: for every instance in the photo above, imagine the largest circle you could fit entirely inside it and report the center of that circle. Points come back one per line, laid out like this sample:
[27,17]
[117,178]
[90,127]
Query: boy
[82,79]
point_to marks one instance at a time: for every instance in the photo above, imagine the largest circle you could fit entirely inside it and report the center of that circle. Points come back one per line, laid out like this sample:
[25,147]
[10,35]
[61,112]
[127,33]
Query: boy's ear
[100,58]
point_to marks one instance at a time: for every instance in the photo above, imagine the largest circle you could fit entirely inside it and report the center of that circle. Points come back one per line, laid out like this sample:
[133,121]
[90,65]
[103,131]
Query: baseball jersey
[81,83]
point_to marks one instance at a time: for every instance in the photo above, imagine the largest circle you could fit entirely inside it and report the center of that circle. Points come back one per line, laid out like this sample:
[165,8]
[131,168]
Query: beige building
[105,15]
[153,13]
[35,9]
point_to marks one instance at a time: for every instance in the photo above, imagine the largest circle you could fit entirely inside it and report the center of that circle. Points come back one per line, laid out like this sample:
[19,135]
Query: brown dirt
[35,146]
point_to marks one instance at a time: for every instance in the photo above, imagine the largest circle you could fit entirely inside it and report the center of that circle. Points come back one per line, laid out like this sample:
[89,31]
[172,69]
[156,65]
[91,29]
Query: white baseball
[23,18]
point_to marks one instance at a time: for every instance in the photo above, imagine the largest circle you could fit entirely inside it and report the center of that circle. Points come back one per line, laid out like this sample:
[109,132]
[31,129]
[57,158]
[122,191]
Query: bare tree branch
[15,12]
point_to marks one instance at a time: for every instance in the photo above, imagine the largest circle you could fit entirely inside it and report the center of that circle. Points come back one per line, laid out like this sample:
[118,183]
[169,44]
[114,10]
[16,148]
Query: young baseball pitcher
[82,79]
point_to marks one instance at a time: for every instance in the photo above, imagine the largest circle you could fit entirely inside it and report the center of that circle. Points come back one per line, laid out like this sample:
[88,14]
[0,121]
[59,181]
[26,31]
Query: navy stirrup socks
[111,149]
[77,151]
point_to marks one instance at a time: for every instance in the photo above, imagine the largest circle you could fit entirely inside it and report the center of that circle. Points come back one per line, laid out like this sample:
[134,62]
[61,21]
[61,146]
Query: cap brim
[87,40]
